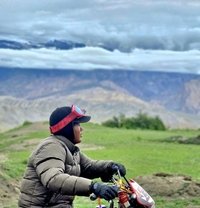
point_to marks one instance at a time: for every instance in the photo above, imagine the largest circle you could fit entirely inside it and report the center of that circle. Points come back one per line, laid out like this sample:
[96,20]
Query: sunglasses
[76,112]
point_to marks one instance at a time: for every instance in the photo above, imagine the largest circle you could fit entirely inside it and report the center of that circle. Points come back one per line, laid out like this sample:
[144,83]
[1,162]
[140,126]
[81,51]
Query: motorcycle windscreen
[142,196]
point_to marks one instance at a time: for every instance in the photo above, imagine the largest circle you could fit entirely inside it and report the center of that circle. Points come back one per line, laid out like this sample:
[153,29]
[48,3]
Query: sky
[156,35]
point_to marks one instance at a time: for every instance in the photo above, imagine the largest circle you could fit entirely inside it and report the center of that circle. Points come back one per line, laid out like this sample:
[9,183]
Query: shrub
[114,122]
[26,123]
[141,121]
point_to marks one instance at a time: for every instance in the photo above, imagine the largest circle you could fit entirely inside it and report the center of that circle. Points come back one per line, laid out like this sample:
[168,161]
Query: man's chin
[78,142]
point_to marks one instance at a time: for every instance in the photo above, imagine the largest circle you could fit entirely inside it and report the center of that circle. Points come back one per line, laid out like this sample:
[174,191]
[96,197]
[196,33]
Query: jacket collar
[72,148]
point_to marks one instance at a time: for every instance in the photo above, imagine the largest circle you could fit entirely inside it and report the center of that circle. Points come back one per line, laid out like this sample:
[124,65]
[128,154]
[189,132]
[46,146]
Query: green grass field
[142,152]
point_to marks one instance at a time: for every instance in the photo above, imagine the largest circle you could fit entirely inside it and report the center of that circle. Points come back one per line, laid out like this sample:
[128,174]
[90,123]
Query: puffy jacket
[56,172]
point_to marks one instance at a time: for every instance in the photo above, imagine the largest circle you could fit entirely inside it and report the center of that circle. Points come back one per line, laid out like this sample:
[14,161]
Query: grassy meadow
[142,152]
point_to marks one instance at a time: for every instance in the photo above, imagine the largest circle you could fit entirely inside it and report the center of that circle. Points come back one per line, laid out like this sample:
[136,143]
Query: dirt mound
[184,140]
[167,185]
[159,184]
[8,192]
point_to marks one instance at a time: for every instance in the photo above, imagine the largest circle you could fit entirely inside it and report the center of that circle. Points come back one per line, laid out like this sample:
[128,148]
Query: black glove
[112,169]
[104,191]
[117,166]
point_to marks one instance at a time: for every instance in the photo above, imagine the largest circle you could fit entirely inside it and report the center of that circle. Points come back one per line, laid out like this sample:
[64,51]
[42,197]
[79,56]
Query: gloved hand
[104,191]
[112,169]
[120,167]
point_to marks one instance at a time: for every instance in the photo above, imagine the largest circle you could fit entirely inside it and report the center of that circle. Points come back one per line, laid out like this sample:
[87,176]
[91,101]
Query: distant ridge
[175,91]
[55,44]
[174,97]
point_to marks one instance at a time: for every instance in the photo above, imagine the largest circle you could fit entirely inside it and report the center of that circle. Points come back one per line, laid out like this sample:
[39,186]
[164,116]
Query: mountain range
[31,94]
[55,44]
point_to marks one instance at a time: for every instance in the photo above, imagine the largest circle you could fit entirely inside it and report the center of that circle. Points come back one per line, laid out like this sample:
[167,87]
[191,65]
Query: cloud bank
[146,34]
[97,58]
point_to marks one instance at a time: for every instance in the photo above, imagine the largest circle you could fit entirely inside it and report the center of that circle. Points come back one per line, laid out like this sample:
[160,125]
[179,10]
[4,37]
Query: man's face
[78,132]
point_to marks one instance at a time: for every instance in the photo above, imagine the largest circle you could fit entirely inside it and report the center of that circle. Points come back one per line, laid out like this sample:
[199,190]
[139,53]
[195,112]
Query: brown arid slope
[29,94]
[102,104]
[171,90]
[193,96]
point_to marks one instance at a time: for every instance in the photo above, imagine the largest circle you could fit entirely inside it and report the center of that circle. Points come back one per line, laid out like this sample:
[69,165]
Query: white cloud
[95,58]
[159,27]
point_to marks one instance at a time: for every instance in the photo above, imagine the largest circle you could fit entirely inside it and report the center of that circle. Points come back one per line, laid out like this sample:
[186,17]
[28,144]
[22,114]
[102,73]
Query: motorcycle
[130,195]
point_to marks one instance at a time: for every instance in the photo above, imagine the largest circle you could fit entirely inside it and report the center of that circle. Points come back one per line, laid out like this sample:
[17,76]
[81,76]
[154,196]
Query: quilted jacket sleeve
[94,168]
[49,163]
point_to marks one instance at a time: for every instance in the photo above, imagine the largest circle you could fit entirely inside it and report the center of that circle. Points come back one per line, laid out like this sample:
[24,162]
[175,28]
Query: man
[57,170]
